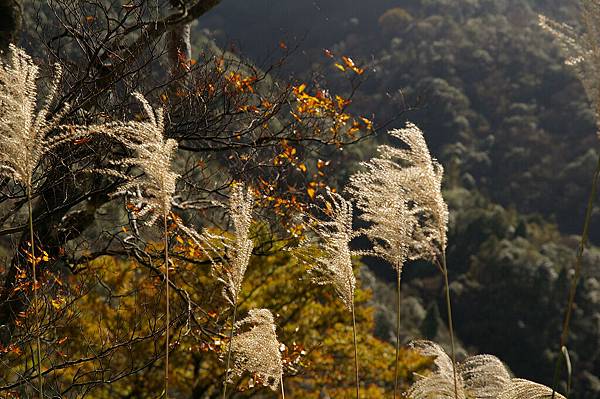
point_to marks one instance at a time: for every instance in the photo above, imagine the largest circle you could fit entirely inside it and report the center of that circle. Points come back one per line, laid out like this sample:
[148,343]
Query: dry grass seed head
[399,194]
[255,349]
[524,389]
[478,377]
[153,154]
[231,273]
[582,50]
[25,130]
[334,264]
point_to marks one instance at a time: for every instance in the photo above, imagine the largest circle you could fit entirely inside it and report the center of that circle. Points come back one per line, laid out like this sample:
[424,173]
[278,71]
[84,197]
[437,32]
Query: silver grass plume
[582,50]
[400,196]
[440,384]
[423,187]
[256,349]
[25,130]
[231,273]
[524,389]
[152,153]
[380,197]
[478,377]
[334,265]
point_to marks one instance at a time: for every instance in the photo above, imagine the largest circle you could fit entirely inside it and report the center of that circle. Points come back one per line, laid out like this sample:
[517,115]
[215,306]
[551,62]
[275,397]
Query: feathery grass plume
[380,196]
[231,273]
[400,196]
[256,349]
[230,268]
[26,137]
[422,181]
[152,153]
[25,130]
[582,50]
[334,265]
[440,384]
[479,377]
[524,389]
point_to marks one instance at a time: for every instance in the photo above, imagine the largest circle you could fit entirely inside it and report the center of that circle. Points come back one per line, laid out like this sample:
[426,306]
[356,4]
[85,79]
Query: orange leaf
[321,164]
[348,61]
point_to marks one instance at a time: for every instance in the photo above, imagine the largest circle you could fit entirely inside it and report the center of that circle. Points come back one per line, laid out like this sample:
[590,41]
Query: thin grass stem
[168,308]
[450,322]
[564,336]
[229,352]
[355,352]
[35,296]
[397,358]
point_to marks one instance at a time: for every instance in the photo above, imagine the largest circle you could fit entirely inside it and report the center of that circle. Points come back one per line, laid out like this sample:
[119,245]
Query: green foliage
[395,21]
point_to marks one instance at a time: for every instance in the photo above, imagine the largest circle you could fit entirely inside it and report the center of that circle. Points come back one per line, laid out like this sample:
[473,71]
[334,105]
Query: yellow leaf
[328,208]
[302,167]
[311,192]
[56,303]
[340,67]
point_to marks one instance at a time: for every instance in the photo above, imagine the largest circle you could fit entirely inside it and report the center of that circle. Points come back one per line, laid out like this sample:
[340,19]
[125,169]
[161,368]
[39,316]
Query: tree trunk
[179,49]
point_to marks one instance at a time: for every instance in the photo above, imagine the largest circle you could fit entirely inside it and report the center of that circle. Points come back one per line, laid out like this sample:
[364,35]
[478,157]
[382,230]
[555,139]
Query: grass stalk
[229,353]
[355,353]
[398,273]
[450,322]
[35,296]
[564,336]
[168,307]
